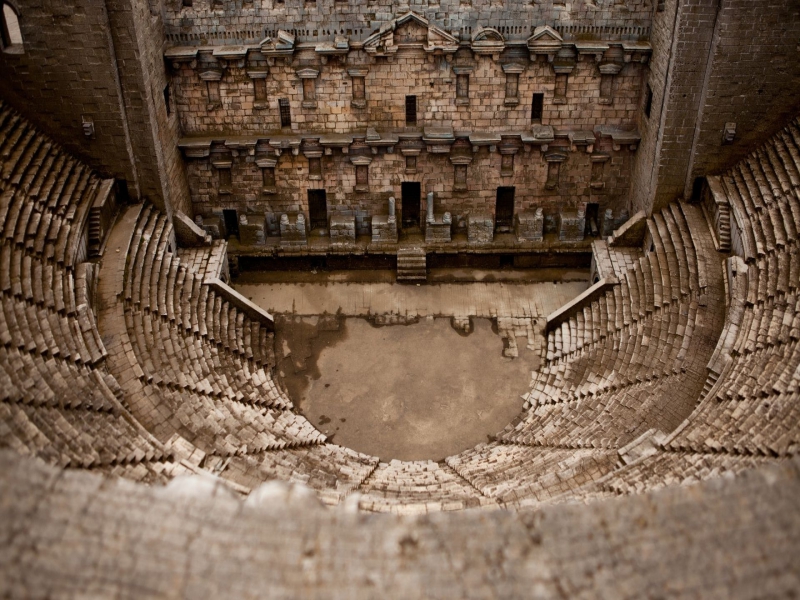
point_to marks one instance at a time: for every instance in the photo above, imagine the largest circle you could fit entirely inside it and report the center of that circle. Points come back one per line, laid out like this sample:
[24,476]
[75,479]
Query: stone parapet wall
[235,22]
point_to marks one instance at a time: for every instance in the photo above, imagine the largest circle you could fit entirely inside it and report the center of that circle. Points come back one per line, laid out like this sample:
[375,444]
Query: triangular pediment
[544,35]
[410,30]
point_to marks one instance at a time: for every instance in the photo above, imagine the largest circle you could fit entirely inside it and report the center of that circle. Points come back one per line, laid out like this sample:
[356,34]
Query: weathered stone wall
[100,61]
[753,81]
[137,31]
[241,21]
[714,62]
[644,178]
[435,172]
[430,78]
[68,70]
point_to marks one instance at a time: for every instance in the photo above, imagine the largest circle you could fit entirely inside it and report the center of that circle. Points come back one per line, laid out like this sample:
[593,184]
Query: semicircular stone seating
[684,368]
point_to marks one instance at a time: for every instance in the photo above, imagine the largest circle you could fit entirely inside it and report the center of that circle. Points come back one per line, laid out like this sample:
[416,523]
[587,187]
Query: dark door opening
[504,210]
[318,209]
[411,192]
[231,222]
[592,219]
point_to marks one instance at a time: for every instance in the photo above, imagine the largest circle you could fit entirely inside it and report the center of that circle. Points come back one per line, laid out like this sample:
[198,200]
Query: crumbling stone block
[252,230]
[572,227]
[438,229]
[480,228]
[342,230]
[529,226]
[293,230]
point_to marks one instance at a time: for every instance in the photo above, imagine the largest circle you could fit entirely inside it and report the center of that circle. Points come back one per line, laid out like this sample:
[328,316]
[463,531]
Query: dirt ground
[419,391]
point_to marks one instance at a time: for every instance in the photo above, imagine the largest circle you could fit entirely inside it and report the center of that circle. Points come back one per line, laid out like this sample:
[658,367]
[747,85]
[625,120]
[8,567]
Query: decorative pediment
[280,45]
[488,41]
[409,31]
[555,156]
[544,40]
[307,73]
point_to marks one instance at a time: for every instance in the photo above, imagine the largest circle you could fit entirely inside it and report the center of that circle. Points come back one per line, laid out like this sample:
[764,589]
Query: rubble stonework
[480,229]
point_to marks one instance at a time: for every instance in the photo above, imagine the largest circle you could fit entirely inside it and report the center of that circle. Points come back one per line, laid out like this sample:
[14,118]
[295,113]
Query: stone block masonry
[480,229]
[530,225]
[343,230]
[293,230]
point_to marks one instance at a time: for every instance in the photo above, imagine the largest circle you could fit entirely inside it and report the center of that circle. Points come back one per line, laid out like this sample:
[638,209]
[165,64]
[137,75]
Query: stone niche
[480,228]
[529,226]
[342,229]
[252,230]
[573,225]
[293,230]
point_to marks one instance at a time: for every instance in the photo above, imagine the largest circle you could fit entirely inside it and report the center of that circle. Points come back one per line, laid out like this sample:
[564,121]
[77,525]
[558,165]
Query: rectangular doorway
[592,219]
[504,210]
[318,209]
[411,191]
[231,222]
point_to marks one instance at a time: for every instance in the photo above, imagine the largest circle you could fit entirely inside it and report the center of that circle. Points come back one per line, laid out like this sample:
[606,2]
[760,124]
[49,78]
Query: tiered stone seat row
[55,404]
[609,419]
[669,272]
[754,407]
[663,469]
[330,470]
[417,487]
[155,472]
[763,193]
[67,414]
[206,261]
[41,170]
[180,382]
[666,342]
[225,427]
[168,355]
[521,476]
[159,283]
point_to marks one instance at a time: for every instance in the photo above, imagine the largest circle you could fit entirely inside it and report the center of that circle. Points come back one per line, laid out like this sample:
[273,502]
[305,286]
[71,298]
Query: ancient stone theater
[411,299]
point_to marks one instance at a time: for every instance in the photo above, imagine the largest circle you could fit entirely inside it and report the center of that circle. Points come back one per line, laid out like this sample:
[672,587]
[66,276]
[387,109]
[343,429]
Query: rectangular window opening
[537,108]
[286,114]
[411,110]
[648,101]
[166,100]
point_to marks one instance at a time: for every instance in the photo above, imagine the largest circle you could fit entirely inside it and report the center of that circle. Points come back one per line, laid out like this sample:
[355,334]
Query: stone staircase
[724,229]
[411,265]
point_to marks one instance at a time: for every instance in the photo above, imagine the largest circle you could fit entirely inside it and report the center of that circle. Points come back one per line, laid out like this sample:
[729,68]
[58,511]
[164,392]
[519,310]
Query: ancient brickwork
[714,63]
[429,78]
[100,65]
[238,21]
[138,41]
[645,166]
[435,172]
[754,79]
[68,73]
